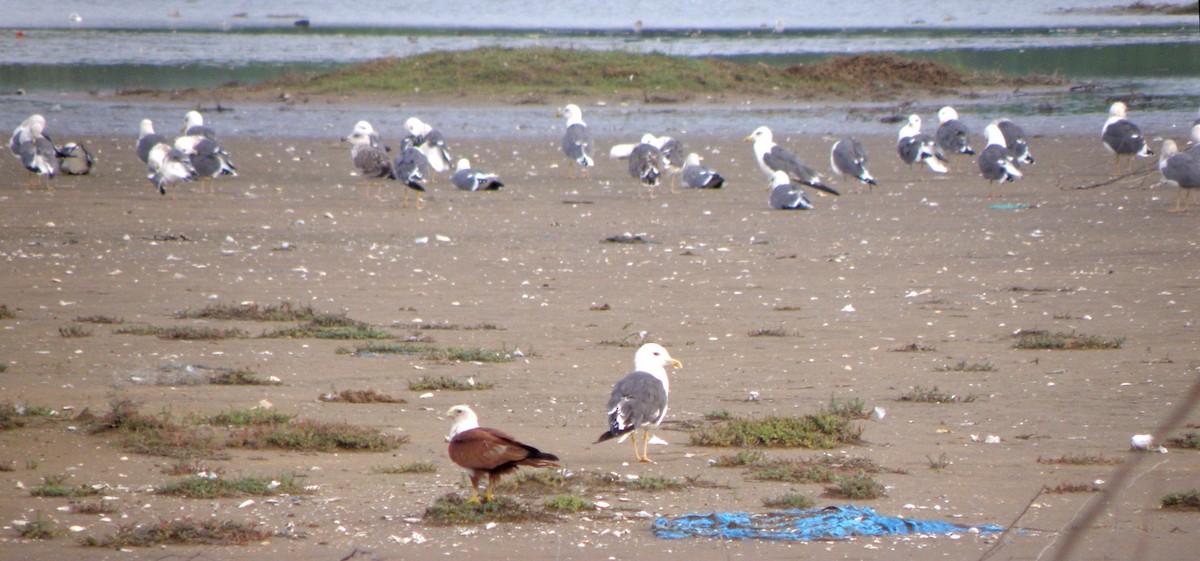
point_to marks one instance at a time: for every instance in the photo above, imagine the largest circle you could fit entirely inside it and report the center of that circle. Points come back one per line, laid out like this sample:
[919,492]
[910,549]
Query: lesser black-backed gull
[1123,138]
[147,139]
[772,157]
[207,156]
[412,169]
[75,159]
[577,143]
[639,400]
[786,195]
[915,146]
[848,157]
[487,451]
[193,125]
[996,162]
[470,179]
[167,166]
[1015,140]
[953,137]
[1180,168]
[429,141]
[698,176]
[35,150]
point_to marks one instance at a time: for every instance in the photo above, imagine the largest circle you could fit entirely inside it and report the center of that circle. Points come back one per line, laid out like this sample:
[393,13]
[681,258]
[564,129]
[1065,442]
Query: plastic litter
[829,523]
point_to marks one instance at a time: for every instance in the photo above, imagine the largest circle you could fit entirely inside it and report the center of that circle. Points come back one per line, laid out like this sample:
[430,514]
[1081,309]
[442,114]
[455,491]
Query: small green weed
[100,319]
[359,396]
[789,501]
[198,487]
[414,467]
[820,430]
[451,510]
[248,418]
[40,528]
[921,394]
[74,330]
[1182,500]
[447,383]
[962,366]
[859,486]
[741,459]
[1037,339]
[1079,460]
[181,532]
[567,503]
[314,436]
[1189,440]
[54,486]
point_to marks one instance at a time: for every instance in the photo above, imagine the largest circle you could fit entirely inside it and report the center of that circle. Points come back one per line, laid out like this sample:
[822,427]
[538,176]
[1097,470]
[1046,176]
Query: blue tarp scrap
[830,523]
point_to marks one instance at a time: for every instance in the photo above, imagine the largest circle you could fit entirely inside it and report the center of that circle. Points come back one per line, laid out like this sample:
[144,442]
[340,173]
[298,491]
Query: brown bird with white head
[493,452]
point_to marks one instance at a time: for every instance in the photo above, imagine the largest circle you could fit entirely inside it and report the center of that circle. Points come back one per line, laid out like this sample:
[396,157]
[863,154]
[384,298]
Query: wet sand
[922,260]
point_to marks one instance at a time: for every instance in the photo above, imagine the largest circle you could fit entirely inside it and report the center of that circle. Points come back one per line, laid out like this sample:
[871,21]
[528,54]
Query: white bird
[369,157]
[75,159]
[469,179]
[848,157]
[697,176]
[1015,140]
[1180,168]
[577,143]
[429,141]
[167,166]
[915,146]
[147,139]
[772,157]
[786,195]
[953,137]
[639,400]
[996,162]
[646,163]
[35,150]
[1123,138]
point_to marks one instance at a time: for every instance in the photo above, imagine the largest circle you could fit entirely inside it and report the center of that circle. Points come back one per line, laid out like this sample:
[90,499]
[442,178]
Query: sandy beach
[922,262]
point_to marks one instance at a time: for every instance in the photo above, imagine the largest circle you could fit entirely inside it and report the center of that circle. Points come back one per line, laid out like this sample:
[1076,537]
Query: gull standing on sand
[639,400]
[848,157]
[1014,139]
[772,157]
[199,142]
[412,169]
[168,165]
[915,146]
[147,139]
[786,195]
[429,141]
[469,179]
[369,157]
[577,143]
[646,164]
[953,137]
[996,162]
[673,158]
[1123,138]
[697,176]
[35,150]
[1180,168]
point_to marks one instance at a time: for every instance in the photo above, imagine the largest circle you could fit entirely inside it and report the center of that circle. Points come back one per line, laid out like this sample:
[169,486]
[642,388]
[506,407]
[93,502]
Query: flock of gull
[197,155]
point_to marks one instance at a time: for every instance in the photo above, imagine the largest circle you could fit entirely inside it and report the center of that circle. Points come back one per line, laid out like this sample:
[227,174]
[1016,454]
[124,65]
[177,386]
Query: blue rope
[828,523]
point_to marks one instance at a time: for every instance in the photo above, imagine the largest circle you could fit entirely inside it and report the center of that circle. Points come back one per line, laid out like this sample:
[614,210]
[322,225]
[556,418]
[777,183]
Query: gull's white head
[693,159]
[462,164]
[912,127]
[362,133]
[146,127]
[572,113]
[1169,148]
[193,118]
[650,139]
[416,126]
[1118,109]
[780,178]
[761,134]
[947,113]
[653,358]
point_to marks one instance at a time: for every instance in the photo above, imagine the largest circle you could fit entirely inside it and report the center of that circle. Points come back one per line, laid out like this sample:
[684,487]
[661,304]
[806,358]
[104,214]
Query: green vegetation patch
[433,352]
[920,394]
[181,532]
[248,418]
[963,366]
[359,396]
[1187,440]
[567,503]
[14,416]
[413,467]
[40,528]
[769,332]
[818,469]
[453,510]
[6,313]
[426,384]
[201,487]
[74,330]
[55,486]
[314,330]
[819,430]
[1182,500]
[789,501]
[314,436]
[284,311]
[1036,339]
[100,319]
[537,72]
[1079,460]
[858,487]
[1066,488]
